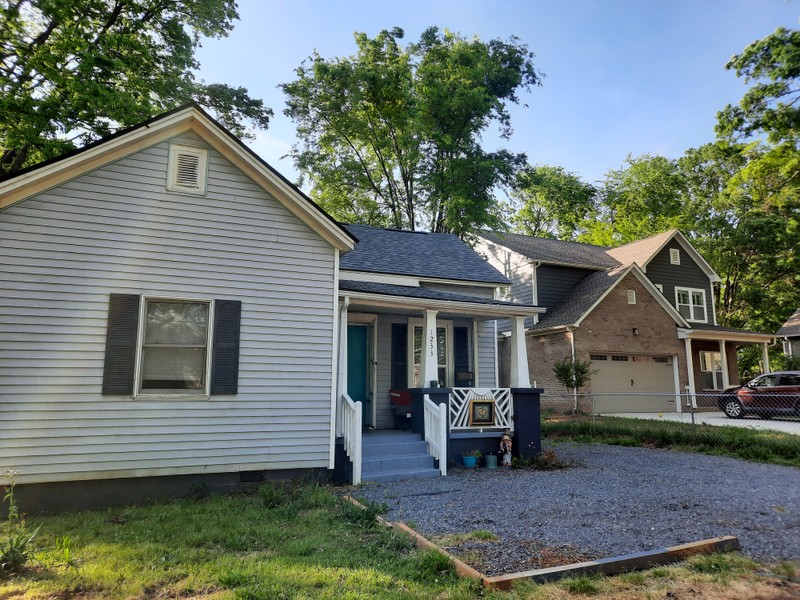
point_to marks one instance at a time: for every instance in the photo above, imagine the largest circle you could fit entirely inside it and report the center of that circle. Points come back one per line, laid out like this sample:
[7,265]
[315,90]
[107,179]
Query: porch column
[765,357]
[341,379]
[520,373]
[723,357]
[690,370]
[429,361]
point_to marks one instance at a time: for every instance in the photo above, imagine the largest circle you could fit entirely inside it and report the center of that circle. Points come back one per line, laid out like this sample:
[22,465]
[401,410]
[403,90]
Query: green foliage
[363,518]
[757,446]
[552,202]
[473,452]
[16,541]
[722,567]
[573,374]
[431,565]
[73,71]
[546,460]
[790,363]
[391,136]
[274,494]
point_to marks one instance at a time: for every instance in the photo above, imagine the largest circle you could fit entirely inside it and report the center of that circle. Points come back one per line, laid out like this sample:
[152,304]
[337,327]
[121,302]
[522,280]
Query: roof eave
[451,306]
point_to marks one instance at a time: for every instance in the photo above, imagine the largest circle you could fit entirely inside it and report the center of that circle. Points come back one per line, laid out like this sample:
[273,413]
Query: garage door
[627,383]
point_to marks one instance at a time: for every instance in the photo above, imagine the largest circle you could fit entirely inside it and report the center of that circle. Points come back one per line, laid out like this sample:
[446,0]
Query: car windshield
[763,381]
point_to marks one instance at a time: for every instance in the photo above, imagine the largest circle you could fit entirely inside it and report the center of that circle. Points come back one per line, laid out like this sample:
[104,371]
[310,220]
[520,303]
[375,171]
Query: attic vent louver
[187,169]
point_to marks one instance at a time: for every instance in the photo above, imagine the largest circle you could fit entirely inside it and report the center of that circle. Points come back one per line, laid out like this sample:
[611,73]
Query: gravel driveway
[616,501]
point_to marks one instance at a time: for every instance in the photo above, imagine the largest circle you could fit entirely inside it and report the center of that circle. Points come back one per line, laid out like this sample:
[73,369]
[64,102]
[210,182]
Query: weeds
[16,544]
[544,461]
[363,518]
[583,584]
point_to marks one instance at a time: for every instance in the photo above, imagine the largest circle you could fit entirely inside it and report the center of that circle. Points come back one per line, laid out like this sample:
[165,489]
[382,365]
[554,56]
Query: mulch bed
[498,558]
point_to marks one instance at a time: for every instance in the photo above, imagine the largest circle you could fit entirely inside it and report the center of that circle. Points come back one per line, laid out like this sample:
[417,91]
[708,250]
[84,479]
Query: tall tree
[392,135]
[73,71]
[552,202]
[641,199]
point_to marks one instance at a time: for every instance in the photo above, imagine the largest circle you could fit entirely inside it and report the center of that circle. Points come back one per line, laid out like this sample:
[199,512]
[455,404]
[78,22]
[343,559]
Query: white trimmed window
[187,169]
[674,256]
[174,347]
[631,296]
[659,287]
[691,303]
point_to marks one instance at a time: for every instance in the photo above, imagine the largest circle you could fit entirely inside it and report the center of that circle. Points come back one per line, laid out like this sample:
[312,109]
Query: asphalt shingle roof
[581,299]
[416,292]
[554,251]
[415,253]
[640,251]
[792,327]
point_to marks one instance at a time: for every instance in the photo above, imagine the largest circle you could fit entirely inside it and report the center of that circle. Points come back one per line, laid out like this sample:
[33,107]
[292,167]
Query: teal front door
[358,387]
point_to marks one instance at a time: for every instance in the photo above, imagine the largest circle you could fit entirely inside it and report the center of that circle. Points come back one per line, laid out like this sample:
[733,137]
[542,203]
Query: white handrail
[436,432]
[351,431]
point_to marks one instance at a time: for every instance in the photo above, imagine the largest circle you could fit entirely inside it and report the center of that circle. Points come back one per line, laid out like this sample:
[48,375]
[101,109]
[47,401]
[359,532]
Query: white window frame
[674,256]
[205,393]
[659,287]
[202,169]
[448,326]
[691,304]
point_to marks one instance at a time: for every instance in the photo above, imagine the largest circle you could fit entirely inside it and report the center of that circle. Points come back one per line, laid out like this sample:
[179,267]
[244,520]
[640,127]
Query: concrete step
[398,462]
[394,449]
[401,475]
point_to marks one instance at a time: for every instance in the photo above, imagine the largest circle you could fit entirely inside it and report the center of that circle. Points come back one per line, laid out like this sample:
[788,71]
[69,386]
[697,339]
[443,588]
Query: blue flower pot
[470,461]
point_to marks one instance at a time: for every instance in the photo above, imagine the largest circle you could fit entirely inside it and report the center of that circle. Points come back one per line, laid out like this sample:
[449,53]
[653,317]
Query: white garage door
[627,383]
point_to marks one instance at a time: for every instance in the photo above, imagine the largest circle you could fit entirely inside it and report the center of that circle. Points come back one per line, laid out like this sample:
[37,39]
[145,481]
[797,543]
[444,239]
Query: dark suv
[767,396]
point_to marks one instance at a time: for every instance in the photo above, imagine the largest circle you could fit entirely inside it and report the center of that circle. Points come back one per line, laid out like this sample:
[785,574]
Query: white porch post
[723,357]
[520,375]
[690,370]
[765,357]
[341,387]
[429,362]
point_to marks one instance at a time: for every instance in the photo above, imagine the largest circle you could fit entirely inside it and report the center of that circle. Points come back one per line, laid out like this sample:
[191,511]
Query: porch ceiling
[724,334]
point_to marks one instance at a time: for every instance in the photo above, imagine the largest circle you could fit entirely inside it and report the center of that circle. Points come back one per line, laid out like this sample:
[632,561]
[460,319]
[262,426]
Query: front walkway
[720,420]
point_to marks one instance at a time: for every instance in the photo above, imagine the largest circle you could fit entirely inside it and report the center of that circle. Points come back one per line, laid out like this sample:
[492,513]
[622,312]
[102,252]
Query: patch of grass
[583,584]
[748,444]
[721,566]
[456,539]
[308,544]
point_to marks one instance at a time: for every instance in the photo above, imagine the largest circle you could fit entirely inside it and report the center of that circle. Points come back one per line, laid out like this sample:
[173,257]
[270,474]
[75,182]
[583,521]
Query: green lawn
[303,543]
[737,442]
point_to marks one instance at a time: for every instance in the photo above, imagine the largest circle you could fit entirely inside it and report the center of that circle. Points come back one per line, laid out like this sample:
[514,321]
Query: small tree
[573,374]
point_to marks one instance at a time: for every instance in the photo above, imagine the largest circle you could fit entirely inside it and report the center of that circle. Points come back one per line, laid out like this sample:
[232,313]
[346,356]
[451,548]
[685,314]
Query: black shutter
[399,356]
[120,362]
[225,347]
[461,348]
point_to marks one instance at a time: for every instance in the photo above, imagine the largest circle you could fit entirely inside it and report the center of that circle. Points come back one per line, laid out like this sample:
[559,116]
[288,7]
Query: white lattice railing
[351,431]
[436,432]
[470,408]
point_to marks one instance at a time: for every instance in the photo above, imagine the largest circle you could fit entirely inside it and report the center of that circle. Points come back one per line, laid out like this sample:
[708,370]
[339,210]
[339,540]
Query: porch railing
[496,401]
[351,432]
[436,432]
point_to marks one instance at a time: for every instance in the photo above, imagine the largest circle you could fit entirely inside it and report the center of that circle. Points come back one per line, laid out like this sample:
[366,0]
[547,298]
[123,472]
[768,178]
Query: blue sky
[622,76]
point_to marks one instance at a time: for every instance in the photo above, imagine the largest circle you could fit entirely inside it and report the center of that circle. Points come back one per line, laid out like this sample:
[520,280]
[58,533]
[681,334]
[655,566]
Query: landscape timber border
[607,566]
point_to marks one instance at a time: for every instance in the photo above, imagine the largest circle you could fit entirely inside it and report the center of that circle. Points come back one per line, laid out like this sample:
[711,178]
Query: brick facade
[608,329]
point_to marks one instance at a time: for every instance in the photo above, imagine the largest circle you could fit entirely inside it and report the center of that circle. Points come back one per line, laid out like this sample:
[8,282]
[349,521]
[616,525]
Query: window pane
[176,323]
[441,345]
[698,298]
[699,313]
[683,297]
[684,310]
[173,369]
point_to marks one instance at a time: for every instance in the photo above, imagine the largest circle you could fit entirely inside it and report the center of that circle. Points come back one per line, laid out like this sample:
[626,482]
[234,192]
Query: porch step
[393,455]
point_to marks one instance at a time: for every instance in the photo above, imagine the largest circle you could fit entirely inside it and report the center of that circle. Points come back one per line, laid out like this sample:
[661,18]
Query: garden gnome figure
[505,449]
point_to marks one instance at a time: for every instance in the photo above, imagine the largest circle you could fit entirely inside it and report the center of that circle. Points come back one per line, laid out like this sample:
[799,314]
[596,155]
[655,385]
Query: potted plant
[471,458]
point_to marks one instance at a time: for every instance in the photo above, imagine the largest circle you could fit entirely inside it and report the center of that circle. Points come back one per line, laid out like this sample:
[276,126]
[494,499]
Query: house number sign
[431,345]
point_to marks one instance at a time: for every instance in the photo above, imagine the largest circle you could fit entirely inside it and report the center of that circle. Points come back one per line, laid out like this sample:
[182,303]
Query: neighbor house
[642,314]
[789,335]
[175,313]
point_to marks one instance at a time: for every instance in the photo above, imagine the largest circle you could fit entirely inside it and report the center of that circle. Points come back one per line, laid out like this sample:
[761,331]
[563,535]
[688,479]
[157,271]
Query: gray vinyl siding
[117,229]
[688,274]
[554,283]
[487,352]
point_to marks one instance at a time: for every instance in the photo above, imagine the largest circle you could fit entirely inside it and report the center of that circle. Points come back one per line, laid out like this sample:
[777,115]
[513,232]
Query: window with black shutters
[171,341]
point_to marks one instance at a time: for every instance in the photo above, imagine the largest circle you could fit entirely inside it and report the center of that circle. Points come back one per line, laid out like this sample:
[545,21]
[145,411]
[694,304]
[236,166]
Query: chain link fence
[747,424]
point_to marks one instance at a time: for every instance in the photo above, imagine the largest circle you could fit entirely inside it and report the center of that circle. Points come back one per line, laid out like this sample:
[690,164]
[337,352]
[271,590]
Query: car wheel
[733,408]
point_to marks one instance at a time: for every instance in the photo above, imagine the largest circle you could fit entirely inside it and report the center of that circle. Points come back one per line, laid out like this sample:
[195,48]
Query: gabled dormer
[678,270]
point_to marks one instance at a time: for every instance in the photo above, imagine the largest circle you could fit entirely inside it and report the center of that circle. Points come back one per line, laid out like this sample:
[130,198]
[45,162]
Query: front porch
[441,349]
[712,360]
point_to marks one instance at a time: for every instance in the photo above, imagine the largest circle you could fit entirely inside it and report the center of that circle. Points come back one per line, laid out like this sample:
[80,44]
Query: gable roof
[417,253]
[554,251]
[792,326]
[191,117]
[591,290]
[643,251]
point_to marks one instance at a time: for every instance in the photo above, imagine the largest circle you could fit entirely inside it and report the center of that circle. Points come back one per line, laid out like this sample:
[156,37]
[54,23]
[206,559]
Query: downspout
[571,331]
